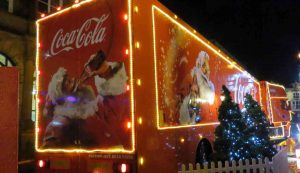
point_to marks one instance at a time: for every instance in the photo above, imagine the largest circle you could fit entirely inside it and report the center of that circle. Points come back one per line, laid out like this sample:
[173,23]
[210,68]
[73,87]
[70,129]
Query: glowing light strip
[278,136]
[114,150]
[260,96]
[64,10]
[270,103]
[131,76]
[84,151]
[155,69]
[203,42]
[186,126]
[279,98]
[37,85]
[276,85]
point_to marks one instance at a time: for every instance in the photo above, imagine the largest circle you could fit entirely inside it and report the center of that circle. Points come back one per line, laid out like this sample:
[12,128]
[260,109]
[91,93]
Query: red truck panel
[9,120]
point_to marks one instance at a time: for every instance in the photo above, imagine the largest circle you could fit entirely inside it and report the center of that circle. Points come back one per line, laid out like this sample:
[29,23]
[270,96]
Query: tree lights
[242,135]
[257,135]
[229,134]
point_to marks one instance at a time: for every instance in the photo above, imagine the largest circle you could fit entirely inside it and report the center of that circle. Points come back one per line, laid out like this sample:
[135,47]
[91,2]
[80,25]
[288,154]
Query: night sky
[262,35]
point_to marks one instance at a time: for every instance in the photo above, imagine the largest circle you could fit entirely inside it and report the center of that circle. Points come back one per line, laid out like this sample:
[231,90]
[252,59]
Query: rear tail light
[123,168]
[43,163]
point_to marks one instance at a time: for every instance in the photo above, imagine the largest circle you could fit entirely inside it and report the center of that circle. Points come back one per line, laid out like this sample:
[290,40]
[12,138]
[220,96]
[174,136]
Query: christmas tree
[256,132]
[229,143]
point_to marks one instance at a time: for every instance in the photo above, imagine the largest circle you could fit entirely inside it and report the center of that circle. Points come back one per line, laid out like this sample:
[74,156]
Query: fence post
[227,168]
[268,166]
[191,168]
[261,166]
[247,165]
[198,169]
[182,169]
[233,166]
[254,166]
[205,169]
[240,167]
[212,167]
[219,166]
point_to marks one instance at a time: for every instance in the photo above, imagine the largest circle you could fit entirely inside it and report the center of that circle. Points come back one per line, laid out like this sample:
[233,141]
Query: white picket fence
[278,164]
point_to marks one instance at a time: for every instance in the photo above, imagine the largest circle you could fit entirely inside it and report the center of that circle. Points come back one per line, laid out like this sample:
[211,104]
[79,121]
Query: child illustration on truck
[74,107]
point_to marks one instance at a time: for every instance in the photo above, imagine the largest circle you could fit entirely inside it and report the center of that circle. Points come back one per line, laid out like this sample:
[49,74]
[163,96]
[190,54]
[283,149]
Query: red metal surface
[9,110]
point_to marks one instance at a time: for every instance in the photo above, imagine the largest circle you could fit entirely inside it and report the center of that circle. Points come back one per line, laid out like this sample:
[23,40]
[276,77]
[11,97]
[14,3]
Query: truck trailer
[127,86]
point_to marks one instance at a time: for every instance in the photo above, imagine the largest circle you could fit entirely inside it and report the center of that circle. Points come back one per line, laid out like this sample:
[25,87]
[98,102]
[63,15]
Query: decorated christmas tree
[256,132]
[229,143]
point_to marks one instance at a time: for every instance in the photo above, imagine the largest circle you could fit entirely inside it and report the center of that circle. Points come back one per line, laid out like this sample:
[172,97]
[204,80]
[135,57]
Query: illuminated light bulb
[58,8]
[43,15]
[141,161]
[38,100]
[139,82]
[39,44]
[41,163]
[127,87]
[126,52]
[125,17]
[182,140]
[123,167]
[136,9]
[76,1]
[97,170]
[200,136]
[222,97]
[175,17]
[195,31]
[129,125]
[38,129]
[140,120]
[38,72]
[137,44]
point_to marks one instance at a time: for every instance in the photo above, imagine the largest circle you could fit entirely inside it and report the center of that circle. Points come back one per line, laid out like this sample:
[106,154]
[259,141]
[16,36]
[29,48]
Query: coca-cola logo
[240,85]
[92,31]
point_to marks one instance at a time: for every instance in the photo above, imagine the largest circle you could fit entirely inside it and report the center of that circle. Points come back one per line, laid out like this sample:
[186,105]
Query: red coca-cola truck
[127,86]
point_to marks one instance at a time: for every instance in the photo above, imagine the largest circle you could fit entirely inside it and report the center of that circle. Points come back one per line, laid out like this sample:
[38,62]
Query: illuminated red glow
[127,87]
[41,163]
[126,51]
[128,124]
[125,17]
[58,8]
[123,168]
[43,15]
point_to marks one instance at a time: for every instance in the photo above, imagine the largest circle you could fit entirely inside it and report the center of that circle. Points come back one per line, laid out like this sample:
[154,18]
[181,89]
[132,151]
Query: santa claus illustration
[197,89]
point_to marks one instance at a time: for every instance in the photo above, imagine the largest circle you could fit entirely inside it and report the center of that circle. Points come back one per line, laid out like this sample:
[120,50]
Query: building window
[5,61]
[296,95]
[296,104]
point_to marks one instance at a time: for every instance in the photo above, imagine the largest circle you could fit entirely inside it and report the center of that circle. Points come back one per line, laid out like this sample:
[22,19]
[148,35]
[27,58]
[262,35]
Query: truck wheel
[203,151]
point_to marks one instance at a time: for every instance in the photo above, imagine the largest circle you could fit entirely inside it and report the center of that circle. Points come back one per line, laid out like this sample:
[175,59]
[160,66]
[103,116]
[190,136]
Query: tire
[203,152]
